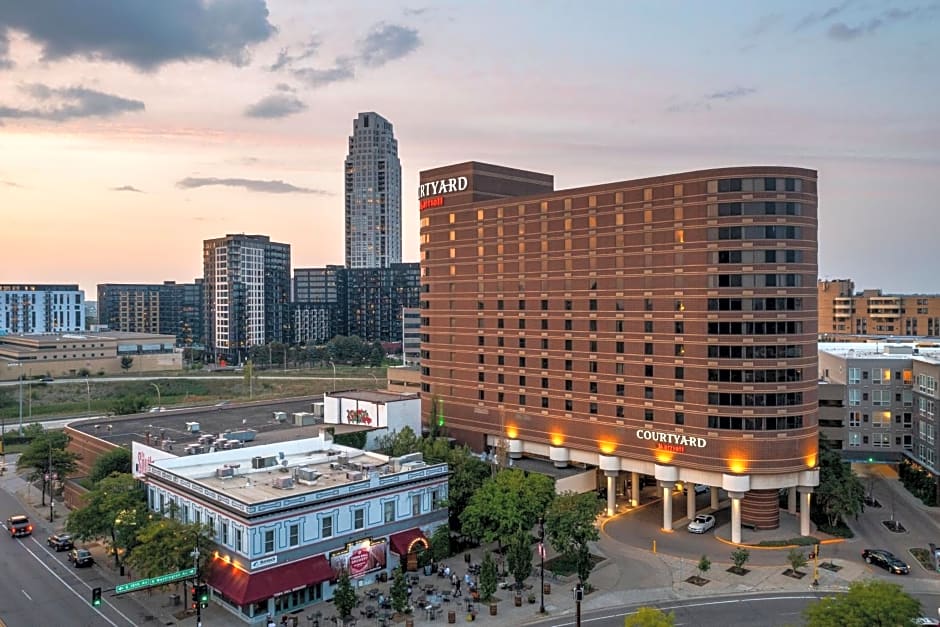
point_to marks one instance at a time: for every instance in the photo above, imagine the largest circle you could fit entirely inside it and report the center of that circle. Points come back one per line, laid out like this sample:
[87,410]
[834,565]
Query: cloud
[10,184]
[252,185]
[731,94]
[811,19]
[275,106]
[5,62]
[71,102]
[387,42]
[285,59]
[417,11]
[145,34]
[127,188]
[840,31]
[343,70]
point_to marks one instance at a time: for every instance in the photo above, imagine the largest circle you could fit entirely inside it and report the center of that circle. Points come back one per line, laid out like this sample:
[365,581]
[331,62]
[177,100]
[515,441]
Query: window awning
[406,541]
[244,588]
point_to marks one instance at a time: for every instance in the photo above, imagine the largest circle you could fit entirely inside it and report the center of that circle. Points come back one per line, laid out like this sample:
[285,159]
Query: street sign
[140,584]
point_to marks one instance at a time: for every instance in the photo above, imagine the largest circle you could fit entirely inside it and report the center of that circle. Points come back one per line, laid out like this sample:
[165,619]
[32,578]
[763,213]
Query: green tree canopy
[868,603]
[519,557]
[344,596]
[508,502]
[46,454]
[569,525]
[165,545]
[840,493]
[399,591]
[467,474]
[126,362]
[488,576]
[398,443]
[650,617]
[117,460]
[115,509]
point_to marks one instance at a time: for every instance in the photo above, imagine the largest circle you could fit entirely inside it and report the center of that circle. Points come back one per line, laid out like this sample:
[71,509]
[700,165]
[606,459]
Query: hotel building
[663,327]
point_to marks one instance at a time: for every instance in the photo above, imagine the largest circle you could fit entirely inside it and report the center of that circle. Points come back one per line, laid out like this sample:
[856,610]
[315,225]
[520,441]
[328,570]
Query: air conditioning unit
[283,483]
[224,473]
[306,476]
[354,475]
[257,462]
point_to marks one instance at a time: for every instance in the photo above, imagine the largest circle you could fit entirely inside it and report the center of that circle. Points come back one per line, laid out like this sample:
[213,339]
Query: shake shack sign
[443,186]
[675,442]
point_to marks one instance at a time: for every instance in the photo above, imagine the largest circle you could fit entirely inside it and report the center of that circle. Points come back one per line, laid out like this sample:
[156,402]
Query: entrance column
[689,501]
[714,495]
[791,500]
[736,516]
[611,492]
[806,493]
[666,487]
[634,489]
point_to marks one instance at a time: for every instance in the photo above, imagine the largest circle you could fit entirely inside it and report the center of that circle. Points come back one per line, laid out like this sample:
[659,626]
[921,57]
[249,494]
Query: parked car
[81,557]
[19,525]
[60,542]
[886,560]
[47,380]
[925,620]
[702,523]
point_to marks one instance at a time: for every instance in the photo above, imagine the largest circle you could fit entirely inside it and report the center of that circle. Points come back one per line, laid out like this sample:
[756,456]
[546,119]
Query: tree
[398,443]
[129,404]
[487,577]
[506,503]
[399,591]
[115,509]
[467,475]
[868,602]
[353,439]
[840,493]
[703,566]
[165,545]
[376,355]
[46,454]
[569,525]
[126,362]
[740,556]
[650,617]
[344,596]
[519,557]
[117,460]
[440,543]
[796,559]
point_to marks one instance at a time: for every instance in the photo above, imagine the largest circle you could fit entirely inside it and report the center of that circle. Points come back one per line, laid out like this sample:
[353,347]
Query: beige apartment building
[843,312]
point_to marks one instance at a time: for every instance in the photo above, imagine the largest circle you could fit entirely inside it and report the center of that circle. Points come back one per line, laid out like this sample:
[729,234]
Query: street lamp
[334,375]
[542,555]
[157,388]
[88,394]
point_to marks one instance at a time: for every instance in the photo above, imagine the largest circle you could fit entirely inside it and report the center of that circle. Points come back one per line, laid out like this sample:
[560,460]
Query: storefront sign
[265,561]
[443,186]
[359,558]
[675,442]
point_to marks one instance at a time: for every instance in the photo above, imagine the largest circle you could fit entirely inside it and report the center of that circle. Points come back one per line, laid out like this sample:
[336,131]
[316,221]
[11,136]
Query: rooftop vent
[283,483]
[224,473]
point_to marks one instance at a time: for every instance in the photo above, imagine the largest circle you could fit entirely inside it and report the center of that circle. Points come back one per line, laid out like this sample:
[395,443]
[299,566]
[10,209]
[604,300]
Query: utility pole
[578,596]
[542,556]
[198,602]
[51,476]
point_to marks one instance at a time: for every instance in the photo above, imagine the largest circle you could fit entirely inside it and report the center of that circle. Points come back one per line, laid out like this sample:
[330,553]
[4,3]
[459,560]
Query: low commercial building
[382,413]
[290,516]
[72,354]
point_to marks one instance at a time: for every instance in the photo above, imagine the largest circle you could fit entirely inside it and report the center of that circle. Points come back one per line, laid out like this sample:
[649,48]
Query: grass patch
[564,567]
[798,541]
[923,557]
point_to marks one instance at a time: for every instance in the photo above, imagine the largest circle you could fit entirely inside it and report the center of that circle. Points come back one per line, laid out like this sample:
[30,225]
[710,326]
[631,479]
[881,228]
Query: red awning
[244,588]
[404,542]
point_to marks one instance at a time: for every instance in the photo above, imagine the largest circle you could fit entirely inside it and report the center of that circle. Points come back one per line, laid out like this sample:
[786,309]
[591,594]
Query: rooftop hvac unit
[280,416]
[283,483]
[192,427]
[257,462]
[224,473]
[412,466]
[354,475]
[343,458]
[307,475]
[317,409]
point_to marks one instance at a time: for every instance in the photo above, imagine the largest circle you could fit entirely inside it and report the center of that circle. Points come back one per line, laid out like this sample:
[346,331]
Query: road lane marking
[80,580]
[27,595]
[70,588]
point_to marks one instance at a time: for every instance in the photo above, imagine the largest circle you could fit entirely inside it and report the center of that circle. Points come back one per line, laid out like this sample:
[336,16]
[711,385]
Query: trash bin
[175,599]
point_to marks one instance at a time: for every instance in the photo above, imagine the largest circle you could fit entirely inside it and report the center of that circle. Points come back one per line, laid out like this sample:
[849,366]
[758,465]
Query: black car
[886,560]
[19,526]
[60,542]
[81,557]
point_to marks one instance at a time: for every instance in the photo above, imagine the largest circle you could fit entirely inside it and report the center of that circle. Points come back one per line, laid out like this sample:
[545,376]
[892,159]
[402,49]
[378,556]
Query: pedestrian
[271,621]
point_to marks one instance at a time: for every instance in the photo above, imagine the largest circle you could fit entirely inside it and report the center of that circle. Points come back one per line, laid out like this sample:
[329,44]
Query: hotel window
[855,397]
[680,372]
[388,509]
[592,366]
[619,368]
[619,347]
[326,527]
[479,214]
[647,304]
[592,387]
[568,365]
[269,541]
[568,345]
[415,504]
[680,395]
[521,362]
[522,400]
[544,383]
[592,408]
[544,344]
[500,396]
[294,535]
[620,389]
[481,395]
[522,380]
[648,348]
[569,405]
[499,378]
[544,363]
[620,411]
[592,346]
[567,305]
[544,324]
[544,305]
[648,370]
[521,342]
[618,326]
[481,340]
[648,415]
[881,440]
[592,326]
[680,327]
[500,324]
[500,341]
[881,419]
[592,304]
[680,418]
[544,402]
[855,419]
[359,518]
[568,385]
[680,305]
[481,358]
[568,325]
[680,350]
[648,392]
[854,438]
[521,323]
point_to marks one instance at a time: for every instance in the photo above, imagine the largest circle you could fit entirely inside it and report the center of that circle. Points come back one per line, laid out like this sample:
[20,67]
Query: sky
[132,131]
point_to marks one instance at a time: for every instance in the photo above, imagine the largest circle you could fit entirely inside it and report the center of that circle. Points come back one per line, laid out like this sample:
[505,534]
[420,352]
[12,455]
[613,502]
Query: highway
[41,588]
[203,377]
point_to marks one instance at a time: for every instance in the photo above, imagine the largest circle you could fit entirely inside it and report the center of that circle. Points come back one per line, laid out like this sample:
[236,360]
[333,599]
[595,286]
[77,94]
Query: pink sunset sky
[132,131]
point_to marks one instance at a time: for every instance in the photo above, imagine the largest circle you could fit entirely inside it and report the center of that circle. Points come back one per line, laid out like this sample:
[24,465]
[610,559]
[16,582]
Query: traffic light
[193,591]
[95,597]
[202,595]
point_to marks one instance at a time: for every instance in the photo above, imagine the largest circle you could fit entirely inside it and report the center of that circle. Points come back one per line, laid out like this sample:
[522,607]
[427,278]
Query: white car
[925,620]
[702,523]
